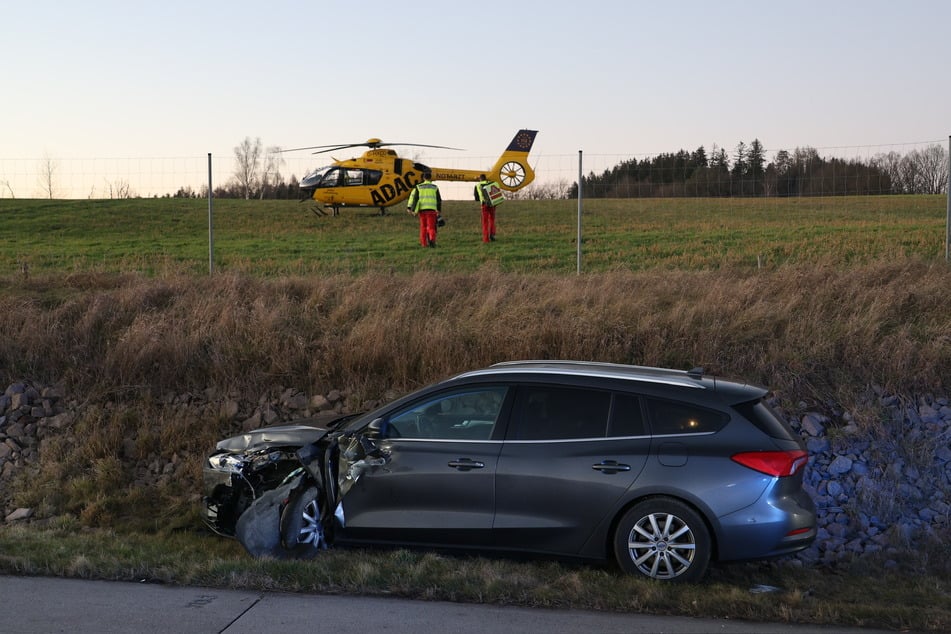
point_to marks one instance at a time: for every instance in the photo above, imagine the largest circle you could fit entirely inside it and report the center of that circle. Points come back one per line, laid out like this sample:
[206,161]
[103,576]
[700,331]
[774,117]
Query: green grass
[158,236]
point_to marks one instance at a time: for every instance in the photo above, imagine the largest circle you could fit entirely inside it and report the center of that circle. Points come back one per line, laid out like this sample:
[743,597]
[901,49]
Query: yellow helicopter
[381,178]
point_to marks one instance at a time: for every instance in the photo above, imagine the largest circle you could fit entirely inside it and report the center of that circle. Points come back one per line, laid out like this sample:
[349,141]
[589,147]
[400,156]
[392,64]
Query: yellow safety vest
[424,197]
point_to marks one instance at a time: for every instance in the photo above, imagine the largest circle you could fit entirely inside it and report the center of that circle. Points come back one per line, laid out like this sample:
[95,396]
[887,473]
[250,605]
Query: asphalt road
[43,605]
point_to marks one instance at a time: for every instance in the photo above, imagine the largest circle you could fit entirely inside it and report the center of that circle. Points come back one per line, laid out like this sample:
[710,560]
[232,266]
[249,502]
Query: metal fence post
[947,195]
[580,181]
[211,231]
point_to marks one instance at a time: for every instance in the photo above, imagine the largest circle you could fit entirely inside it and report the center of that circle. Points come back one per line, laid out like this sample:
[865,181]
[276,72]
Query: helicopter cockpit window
[372,177]
[331,179]
[313,179]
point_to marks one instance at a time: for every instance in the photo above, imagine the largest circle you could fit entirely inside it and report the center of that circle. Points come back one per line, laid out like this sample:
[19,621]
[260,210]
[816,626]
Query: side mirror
[377,429]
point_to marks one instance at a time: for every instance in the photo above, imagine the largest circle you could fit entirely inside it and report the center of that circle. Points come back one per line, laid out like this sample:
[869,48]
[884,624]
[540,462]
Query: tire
[663,539]
[302,532]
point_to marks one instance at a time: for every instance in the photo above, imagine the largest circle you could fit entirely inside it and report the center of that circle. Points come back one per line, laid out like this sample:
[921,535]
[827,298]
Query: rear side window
[670,417]
[560,413]
[761,415]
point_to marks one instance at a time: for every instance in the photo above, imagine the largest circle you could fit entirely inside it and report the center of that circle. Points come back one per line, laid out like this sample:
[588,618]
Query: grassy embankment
[819,303]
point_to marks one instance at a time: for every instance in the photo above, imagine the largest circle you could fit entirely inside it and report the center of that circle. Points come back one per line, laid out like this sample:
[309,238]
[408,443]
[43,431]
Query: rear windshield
[761,415]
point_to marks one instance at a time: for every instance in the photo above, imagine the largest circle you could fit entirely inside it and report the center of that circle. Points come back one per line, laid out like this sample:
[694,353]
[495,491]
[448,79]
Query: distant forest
[802,172]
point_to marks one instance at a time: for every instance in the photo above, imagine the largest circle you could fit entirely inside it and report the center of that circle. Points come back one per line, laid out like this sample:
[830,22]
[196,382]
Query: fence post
[211,231]
[580,180]
[947,195]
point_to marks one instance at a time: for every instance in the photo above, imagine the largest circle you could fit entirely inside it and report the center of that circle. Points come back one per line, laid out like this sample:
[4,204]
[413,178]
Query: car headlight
[226,462]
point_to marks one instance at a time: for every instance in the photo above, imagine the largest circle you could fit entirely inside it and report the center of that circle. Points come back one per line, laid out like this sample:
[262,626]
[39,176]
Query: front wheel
[302,532]
[663,539]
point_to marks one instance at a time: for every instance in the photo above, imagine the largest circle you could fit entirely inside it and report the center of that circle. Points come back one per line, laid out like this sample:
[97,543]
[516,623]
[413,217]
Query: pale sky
[106,79]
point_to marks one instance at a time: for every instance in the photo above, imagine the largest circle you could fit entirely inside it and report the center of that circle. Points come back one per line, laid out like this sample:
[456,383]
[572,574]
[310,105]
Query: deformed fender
[259,527]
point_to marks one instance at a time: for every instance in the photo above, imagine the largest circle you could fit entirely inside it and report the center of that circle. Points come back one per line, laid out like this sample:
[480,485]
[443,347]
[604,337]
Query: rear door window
[559,413]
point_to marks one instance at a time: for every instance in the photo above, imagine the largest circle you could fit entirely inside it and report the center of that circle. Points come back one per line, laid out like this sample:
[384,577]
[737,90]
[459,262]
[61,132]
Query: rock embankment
[879,490]
[876,490]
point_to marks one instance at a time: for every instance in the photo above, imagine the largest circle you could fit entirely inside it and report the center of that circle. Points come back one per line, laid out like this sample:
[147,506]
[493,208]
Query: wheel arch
[701,510]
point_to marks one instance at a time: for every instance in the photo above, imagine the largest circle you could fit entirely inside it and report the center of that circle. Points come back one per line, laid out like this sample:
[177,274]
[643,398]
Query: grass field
[273,238]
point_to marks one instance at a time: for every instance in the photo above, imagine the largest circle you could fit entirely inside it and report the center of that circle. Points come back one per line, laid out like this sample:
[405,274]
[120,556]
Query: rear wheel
[663,539]
[302,532]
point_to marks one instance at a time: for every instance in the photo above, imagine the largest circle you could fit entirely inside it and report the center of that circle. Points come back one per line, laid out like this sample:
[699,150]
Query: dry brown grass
[819,329]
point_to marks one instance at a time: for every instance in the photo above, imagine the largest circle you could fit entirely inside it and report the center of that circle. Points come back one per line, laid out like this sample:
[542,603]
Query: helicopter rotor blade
[372,143]
[441,147]
[325,148]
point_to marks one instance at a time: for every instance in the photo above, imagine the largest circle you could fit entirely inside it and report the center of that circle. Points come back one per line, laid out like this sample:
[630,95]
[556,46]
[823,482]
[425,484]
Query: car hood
[278,436]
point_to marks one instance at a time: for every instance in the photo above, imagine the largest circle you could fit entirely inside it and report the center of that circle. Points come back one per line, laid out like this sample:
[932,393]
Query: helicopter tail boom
[511,170]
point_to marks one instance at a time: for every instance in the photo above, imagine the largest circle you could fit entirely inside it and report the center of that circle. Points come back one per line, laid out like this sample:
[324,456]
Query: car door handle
[610,466]
[465,464]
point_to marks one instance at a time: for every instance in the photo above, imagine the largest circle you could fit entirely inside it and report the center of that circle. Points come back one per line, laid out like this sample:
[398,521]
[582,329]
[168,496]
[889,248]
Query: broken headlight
[226,462]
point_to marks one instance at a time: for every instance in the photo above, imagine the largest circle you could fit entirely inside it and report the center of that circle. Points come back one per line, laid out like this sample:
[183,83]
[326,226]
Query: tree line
[802,172]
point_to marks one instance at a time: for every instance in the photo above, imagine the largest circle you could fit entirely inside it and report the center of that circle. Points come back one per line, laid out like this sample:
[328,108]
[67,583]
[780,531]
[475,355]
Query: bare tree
[248,158]
[932,169]
[271,170]
[120,189]
[551,190]
[47,170]
[6,185]
[890,164]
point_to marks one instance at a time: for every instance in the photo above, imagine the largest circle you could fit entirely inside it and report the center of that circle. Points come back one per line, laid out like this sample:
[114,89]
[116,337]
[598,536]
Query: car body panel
[551,495]
[427,486]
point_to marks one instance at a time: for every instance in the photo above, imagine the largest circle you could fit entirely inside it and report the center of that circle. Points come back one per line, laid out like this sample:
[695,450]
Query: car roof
[731,391]
[683,378]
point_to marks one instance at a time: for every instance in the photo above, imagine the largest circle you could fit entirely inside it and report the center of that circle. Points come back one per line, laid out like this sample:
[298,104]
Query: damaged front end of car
[280,490]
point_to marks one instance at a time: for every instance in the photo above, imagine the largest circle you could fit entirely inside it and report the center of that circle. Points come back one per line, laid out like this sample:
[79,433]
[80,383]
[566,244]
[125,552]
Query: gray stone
[19,514]
[60,421]
[229,409]
[296,402]
[319,402]
[840,465]
[817,445]
[812,424]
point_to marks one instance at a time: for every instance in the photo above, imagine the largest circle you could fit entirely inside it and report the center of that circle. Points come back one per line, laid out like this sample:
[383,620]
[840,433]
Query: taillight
[773,463]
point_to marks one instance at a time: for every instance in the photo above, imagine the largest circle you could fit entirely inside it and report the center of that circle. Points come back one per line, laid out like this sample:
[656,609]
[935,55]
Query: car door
[438,484]
[569,455]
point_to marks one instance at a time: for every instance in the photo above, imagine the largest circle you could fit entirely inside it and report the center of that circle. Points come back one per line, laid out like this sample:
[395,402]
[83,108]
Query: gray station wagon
[662,471]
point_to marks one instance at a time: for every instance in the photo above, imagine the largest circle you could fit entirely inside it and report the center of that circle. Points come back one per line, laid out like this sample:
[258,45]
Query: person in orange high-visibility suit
[488,209]
[426,203]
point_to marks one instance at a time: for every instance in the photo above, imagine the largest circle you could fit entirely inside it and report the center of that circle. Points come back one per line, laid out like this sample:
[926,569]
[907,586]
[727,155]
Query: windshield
[313,179]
